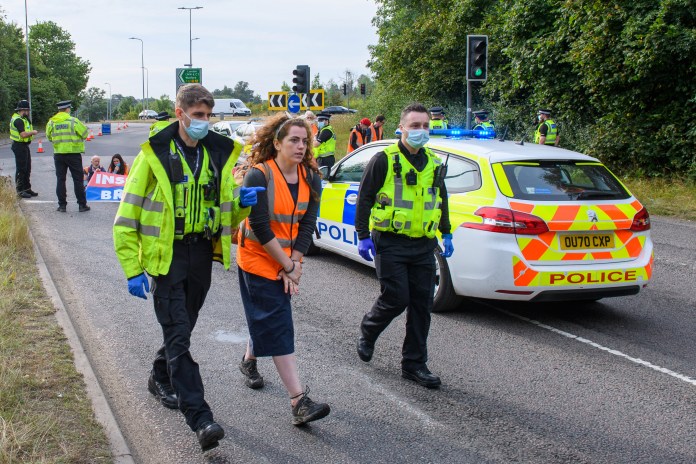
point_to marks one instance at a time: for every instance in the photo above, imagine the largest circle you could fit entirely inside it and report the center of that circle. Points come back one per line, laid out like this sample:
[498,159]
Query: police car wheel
[445,298]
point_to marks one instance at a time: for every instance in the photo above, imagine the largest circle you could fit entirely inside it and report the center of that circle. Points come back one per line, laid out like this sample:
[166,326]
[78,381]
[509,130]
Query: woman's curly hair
[277,128]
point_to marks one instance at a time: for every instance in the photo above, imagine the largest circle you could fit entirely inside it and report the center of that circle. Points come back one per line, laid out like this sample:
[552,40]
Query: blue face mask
[417,138]
[321,124]
[197,129]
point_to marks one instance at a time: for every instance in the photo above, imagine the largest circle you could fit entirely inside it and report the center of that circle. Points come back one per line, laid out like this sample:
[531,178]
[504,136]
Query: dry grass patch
[666,197]
[45,415]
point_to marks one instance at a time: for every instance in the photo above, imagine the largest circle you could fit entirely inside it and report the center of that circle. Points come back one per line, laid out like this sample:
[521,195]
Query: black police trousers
[327,161]
[178,297]
[73,162]
[406,272]
[23,166]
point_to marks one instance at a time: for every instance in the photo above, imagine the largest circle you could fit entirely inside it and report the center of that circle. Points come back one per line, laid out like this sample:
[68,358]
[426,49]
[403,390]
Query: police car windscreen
[562,181]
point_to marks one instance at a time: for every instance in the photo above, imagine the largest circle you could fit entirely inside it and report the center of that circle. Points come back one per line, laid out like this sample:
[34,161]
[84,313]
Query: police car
[529,222]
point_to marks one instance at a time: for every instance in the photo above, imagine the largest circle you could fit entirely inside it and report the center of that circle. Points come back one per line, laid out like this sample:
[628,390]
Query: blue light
[460,133]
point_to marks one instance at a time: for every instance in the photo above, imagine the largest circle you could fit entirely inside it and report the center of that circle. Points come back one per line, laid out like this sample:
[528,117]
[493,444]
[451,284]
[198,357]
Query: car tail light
[641,221]
[507,221]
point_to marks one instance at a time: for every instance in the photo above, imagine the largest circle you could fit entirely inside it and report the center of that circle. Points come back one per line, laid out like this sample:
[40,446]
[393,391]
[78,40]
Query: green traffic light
[478,72]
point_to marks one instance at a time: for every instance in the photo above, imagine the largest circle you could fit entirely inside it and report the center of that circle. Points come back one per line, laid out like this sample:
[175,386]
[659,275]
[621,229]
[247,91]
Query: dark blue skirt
[269,315]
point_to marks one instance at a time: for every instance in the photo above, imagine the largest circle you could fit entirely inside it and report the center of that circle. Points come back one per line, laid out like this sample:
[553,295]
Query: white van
[231,107]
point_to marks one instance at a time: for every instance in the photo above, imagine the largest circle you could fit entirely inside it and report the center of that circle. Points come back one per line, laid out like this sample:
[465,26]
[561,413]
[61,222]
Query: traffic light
[301,79]
[476,57]
[345,90]
[362,89]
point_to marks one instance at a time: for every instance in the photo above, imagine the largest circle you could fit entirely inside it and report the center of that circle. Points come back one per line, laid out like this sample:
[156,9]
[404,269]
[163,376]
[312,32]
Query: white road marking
[403,405]
[618,353]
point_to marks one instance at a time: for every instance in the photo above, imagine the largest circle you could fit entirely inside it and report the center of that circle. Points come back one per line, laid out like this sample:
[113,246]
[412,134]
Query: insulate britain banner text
[104,186]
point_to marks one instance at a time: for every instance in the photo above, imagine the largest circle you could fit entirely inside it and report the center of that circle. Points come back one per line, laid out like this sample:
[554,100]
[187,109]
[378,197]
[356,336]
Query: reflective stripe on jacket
[158,126]
[411,210]
[143,230]
[327,148]
[66,133]
[438,124]
[551,132]
[484,126]
[285,217]
[14,133]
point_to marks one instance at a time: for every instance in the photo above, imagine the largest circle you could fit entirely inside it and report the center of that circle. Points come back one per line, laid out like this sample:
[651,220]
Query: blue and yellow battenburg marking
[338,204]
[458,133]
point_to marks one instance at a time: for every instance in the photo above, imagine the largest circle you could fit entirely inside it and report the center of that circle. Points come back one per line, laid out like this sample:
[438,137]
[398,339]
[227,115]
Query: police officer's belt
[193,238]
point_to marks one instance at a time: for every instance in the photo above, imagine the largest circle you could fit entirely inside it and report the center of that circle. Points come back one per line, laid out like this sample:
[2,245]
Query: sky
[257,41]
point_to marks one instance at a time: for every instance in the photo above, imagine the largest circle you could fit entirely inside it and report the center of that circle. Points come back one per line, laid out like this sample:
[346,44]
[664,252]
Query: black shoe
[32,193]
[307,410]
[164,393]
[84,208]
[209,434]
[253,378]
[365,349]
[422,376]
[61,209]
[24,194]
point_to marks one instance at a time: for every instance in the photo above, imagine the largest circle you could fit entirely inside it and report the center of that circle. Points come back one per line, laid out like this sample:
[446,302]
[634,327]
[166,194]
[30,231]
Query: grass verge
[45,414]
[665,197]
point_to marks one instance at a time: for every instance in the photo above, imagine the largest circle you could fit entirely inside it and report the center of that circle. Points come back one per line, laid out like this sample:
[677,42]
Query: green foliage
[93,106]
[163,104]
[241,91]
[620,77]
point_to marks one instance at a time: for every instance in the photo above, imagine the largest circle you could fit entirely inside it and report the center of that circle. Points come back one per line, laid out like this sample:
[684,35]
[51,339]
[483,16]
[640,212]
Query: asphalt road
[609,382]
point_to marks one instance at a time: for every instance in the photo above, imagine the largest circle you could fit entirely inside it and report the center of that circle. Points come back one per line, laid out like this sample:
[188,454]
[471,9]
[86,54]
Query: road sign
[278,101]
[293,103]
[188,76]
[316,101]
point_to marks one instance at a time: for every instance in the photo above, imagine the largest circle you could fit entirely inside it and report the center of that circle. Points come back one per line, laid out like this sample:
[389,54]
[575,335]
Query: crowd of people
[185,200]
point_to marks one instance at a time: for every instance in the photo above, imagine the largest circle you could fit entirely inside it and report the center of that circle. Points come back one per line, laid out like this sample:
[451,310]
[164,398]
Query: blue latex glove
[247,196]
[136,284]
[365,247]
[447,245]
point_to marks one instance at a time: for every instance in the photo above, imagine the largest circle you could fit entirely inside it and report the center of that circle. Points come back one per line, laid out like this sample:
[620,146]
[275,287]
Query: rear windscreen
[562,181]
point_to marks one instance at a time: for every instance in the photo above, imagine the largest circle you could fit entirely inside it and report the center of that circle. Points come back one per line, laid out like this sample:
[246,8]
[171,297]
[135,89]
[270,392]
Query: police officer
[162,121]
[482,122]
[21,133]
[68,134]
[325,142]
[174,219]
[403,199]
[437,118]
[547,131]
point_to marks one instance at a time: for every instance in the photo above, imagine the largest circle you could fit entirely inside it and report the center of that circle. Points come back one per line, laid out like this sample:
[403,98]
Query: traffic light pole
[468,105]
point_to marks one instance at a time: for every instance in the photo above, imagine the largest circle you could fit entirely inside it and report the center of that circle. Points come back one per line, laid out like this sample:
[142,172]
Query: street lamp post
[142,64]
[190,63]
[147,86]
[108,107]
[26,33]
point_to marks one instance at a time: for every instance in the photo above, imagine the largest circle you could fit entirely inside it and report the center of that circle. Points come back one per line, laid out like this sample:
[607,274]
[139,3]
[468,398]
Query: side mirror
[324,171]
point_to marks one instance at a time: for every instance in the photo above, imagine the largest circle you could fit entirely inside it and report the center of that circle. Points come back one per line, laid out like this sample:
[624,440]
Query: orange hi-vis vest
[285,218]
[360,141]
[377,133]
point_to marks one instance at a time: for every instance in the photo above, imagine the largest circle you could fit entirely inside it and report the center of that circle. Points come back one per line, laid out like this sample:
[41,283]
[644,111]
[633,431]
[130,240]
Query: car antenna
[502,137]
[521,142]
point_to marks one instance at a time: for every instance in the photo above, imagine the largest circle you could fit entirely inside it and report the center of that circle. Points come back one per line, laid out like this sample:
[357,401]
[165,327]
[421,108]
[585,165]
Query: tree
[316,82]
[94,105]
[241,91]
[56,51]
[127,105]
[285,87]
[163,104]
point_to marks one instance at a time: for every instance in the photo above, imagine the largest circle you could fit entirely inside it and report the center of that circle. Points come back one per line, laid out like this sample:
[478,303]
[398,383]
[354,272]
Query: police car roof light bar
[461,133]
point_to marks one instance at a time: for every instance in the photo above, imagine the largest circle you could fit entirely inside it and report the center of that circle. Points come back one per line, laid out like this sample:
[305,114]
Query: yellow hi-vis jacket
[144,226]
[412,210]
[551,132]
[14,133]
[158,126]
[66,133]
[327,148]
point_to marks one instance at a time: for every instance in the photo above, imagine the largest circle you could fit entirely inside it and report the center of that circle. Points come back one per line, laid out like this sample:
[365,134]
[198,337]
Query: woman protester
[117,165]
[272,242]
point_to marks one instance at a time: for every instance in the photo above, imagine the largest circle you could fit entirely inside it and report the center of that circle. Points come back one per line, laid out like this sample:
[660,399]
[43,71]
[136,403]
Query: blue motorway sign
[293,103]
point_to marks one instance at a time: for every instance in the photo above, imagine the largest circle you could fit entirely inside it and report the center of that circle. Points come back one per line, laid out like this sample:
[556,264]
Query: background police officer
[403,199]
[162,121]
[21,133]
[482,122]
[325,142]
[175,218]
[547,131]
[68,134]
[437,118]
